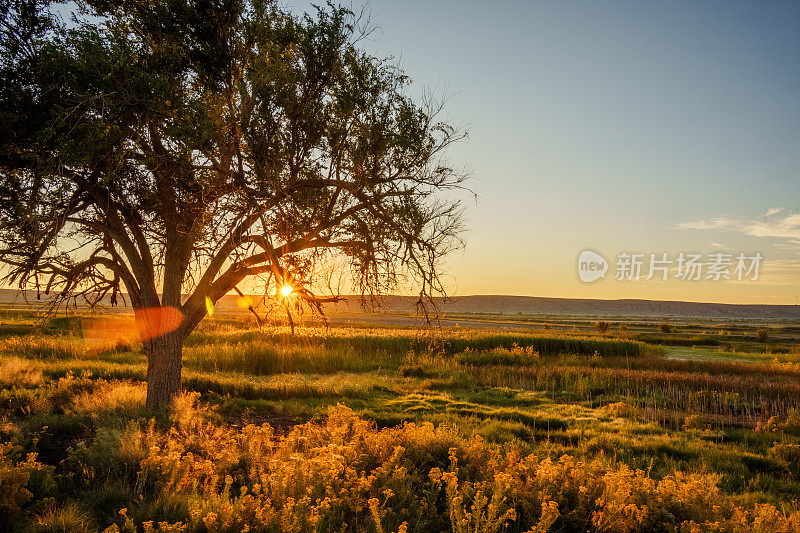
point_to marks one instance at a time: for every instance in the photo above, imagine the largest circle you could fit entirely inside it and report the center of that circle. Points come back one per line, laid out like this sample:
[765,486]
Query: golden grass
[19,372]
[566,444]
[115,395]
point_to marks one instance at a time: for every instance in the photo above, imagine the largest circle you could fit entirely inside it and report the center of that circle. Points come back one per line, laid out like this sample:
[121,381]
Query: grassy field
[639,428]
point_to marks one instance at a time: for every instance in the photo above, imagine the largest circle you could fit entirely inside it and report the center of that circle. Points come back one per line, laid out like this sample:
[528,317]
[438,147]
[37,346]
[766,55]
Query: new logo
[591,266]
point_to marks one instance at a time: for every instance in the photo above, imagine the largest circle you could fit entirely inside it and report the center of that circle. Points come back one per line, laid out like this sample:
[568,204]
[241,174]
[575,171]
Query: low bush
[601,326]
[666,328]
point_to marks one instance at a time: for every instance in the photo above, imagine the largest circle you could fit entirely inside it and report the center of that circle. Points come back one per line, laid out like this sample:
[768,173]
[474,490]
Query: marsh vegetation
[392,429]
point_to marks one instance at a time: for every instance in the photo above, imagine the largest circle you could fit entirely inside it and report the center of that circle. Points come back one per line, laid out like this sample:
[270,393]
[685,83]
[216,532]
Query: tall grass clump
[394,344]
[516,355]
[262,356]
[548,346]
[389,343]
[286,386]
[44,347]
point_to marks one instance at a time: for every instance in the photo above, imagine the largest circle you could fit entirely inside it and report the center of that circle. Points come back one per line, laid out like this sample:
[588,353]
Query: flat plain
[539,423]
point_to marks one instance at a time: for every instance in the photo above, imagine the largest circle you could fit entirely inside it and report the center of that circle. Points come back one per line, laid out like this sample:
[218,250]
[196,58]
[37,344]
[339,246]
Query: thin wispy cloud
[780,272]
[714,223]
[775,223]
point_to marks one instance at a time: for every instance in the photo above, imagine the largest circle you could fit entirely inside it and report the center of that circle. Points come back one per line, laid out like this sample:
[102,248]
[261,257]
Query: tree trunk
[164,361]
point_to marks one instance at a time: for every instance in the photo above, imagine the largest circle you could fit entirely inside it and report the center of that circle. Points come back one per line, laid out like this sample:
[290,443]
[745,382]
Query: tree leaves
[188,145]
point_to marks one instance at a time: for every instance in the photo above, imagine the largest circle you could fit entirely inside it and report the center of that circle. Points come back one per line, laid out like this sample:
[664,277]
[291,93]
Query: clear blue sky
[616,126]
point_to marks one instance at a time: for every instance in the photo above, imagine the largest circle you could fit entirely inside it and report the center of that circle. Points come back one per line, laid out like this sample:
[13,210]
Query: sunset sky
[618,127]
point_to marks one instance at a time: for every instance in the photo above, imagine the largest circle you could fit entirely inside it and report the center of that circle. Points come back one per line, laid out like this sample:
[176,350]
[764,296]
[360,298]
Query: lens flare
[286,290]
[243,302]
[157,321]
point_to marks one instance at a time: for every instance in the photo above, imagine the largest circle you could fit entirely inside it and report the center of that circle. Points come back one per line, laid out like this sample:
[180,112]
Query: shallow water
[706,353]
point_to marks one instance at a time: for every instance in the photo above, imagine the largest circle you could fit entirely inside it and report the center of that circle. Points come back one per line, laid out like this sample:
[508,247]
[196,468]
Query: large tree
[164,151]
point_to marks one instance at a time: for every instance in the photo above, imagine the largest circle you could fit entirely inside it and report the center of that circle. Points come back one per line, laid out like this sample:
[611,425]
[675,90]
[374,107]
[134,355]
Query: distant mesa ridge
[527,305]
[644,307]
[534,305]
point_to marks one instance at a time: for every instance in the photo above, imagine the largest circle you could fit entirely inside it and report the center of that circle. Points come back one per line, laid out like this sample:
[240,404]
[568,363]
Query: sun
[286,290]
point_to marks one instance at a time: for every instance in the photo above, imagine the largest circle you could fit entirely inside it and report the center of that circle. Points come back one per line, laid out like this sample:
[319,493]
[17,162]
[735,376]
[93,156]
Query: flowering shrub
[696,422]
[16,486]
[344,474]
[789,425]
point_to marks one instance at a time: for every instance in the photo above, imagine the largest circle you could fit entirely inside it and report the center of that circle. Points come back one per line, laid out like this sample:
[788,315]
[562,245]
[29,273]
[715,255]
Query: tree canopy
[165,151]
